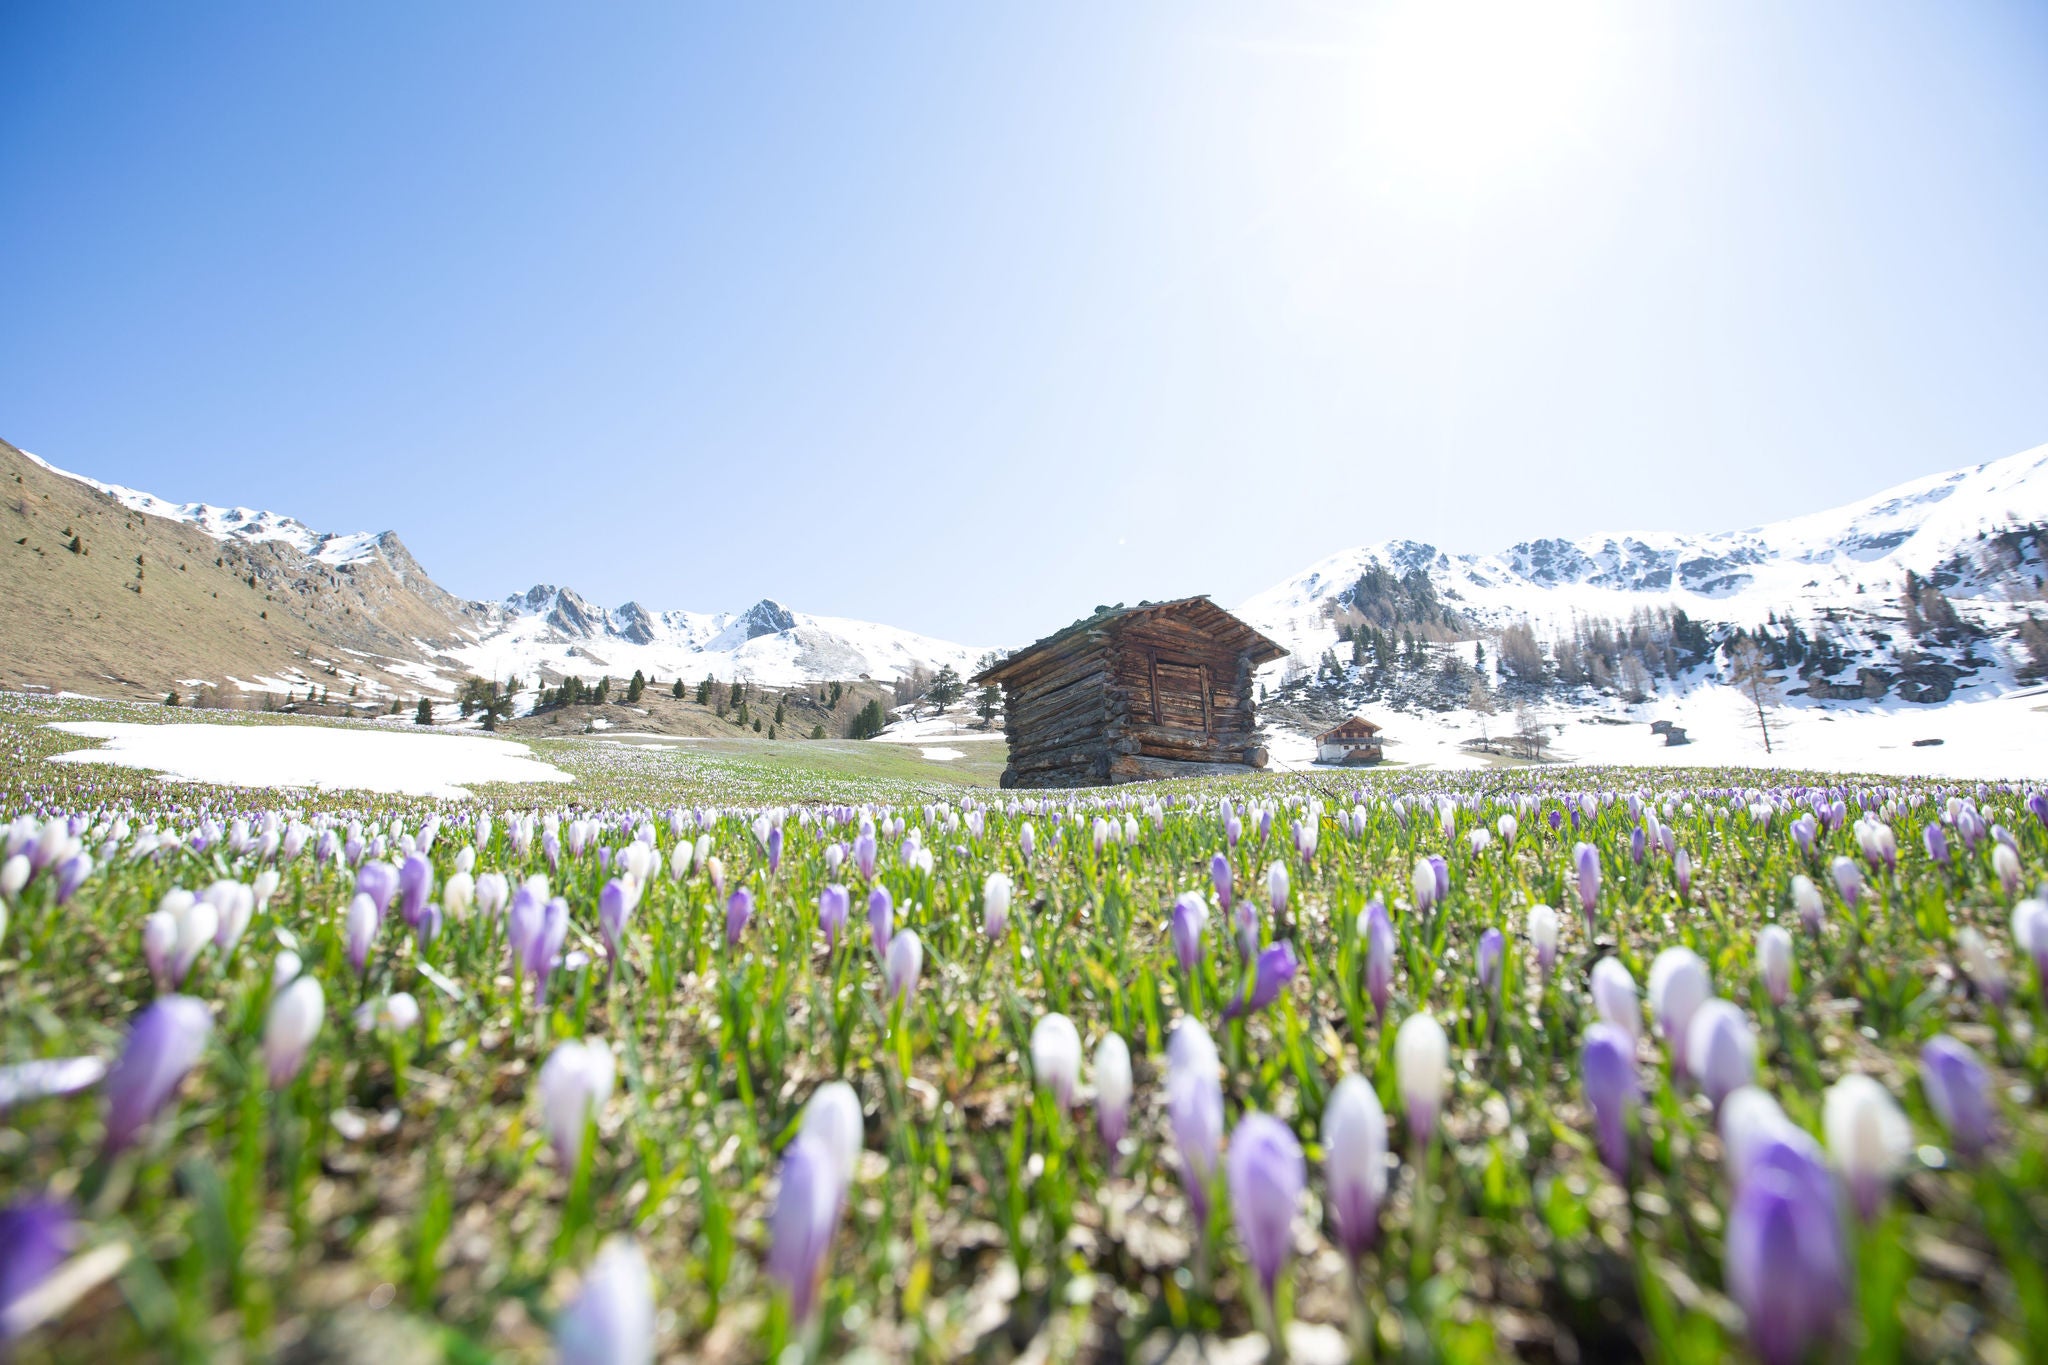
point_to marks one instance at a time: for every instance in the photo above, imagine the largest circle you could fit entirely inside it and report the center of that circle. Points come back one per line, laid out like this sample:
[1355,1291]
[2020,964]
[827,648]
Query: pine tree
[704,691]
[833,705]
[779,713]
[677,690]
[817,731]
[637,686]
[425,715]
[171,697]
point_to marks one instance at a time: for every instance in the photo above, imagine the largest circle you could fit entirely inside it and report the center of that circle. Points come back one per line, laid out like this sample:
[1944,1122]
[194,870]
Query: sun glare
[1457,94]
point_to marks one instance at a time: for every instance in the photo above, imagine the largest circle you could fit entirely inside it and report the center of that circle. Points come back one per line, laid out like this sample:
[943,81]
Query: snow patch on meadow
[311,756]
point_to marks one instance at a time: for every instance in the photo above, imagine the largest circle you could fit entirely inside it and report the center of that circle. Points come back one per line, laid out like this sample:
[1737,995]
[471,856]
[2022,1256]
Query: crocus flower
[360,930]
[1378,932]
[808,1200]
[1276,887]
[1027,840]
[904,964]
[881,919]
[198,922]
[1784,1264]
[1868,1137]
[159,944]
[1274,968]
[2030,934]
[547,944]
[295,1015]
[1936,842]
[1774,961]
[459,895]
[167,1038]
[995,904]
[1194,1109]
[285,969]
[1442,868]
[1720,1049]
[1190,918]
[1614,996]
[1492,945]
[1681,869]
[1678,985]
[739,912]
[1220,877]
[415,884]
[573,1085]
[378,881]
[1848,880]
[1056,1056]
[1267,1175]
[1112,1088]
[611,1319]
[1423,884]
[1422,1057]
[1958,1090]
[1985,974]
[1543,931]
[614,905]
[71,874]
[493,893]
[14,875]
[1355,1163]
[1586,866]
[1806,900]
[35,1237]
[775,850]
[2005,862]
[1607,1069]
[833,906]
[832,1116]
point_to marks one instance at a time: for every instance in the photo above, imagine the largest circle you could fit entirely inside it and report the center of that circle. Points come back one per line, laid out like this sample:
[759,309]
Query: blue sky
[968,317]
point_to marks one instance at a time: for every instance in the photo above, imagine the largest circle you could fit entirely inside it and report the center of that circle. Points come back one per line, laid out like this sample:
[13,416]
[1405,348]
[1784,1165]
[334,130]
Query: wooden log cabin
[1162,689]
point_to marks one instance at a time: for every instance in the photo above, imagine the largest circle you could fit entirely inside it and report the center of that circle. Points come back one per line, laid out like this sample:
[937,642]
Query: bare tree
[1530,737]
[1750,674]
[1481,701]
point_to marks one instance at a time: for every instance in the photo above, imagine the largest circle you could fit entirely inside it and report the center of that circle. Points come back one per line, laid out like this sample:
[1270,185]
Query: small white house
[1355,741]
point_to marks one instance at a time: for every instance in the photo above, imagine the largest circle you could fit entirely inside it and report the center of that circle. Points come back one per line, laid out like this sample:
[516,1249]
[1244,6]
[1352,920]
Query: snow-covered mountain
[244,524]
[554,630]
[1968,532]
[547,630]
[1866,618]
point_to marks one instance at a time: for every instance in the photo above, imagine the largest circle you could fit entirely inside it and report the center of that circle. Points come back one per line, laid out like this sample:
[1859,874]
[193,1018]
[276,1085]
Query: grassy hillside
[105,600]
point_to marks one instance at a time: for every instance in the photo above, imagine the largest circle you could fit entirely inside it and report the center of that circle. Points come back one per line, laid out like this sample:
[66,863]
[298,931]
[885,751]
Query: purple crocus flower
[1784,1262]
[1220,875]
[547,944]
[1958,1090]
[1586,862]
[611,1320]
[1720,1049]
[523,925]
[775,850]
[360,927]
[1276,967]
[833,906]
[864,855]
[739,911]
[1637,843]
[903,964]
[881,919]
[1442,868]
[415,881]
[35,1237]
[378,881]
[1233,830]
[1848,880]
[1379,957]
[1607,1069]
[2037,802]
[1355,1163]
[167,1039]
[1936,840]
[1194,1110]
[1190,918]
[71,873]
[1681,868]
[1556,821]
[1491,946]
[1267,1175]
[805,1217]
[614,905]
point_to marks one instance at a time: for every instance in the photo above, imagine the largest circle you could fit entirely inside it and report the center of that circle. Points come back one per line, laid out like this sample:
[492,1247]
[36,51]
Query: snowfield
[312,756]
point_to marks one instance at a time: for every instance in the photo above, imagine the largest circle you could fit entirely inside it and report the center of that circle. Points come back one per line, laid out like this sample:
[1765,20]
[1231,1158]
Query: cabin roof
[1199,611]
[1353,725]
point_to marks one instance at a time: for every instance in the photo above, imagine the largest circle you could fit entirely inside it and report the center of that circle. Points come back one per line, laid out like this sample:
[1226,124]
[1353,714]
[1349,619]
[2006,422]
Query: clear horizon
[966,322]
